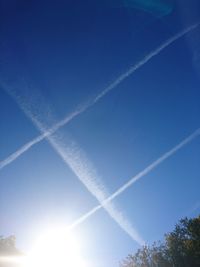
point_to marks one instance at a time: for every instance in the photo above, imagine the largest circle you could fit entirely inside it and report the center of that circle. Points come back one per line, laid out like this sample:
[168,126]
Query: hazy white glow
[12,259]
[55,248]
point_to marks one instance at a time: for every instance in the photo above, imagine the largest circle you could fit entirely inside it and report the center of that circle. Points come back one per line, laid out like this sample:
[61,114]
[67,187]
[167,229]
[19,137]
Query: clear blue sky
[66,52]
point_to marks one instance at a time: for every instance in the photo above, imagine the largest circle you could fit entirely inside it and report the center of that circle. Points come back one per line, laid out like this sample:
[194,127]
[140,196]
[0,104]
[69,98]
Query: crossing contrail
[74,157]
[135,178]
[89,104]
[78,164]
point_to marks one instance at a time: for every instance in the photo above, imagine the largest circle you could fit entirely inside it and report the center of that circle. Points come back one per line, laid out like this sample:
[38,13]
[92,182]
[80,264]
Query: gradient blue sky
[65,53]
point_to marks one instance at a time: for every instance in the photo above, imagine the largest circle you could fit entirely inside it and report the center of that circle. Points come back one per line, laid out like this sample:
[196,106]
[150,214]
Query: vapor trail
[152,54]
[135,178]
[74,157]
[39,138]
[86,106]
[155,164]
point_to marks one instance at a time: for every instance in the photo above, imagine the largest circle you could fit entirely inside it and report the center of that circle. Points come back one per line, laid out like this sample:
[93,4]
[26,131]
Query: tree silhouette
[181,248]
[8,249]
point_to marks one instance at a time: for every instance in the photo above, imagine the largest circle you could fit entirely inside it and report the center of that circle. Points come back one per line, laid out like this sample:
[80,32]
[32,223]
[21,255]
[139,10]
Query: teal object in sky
[154,7]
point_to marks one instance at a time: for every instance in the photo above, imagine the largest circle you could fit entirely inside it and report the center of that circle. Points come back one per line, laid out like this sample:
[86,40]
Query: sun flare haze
[55,247]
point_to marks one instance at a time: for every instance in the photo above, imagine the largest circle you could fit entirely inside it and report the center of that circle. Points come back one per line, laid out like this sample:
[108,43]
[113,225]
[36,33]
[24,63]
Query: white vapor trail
[140,175]
[83,169]
[78,162]
[83,108]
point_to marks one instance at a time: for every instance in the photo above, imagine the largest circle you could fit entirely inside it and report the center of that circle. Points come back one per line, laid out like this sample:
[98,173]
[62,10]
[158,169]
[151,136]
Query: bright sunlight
[56,247]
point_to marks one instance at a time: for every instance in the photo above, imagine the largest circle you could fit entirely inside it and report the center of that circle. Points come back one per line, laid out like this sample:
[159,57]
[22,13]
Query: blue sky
[57,55]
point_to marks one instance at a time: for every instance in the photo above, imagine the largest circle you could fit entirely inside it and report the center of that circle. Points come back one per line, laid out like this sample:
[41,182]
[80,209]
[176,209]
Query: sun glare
[55,248]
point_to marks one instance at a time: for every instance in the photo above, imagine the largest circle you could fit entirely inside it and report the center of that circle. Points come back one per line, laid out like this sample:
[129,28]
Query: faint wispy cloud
[140,175]
[79,163]
[89,104]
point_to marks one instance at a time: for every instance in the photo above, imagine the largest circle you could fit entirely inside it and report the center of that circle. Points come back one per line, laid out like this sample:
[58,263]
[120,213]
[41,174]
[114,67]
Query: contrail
[154,165]
[77,161]
[86,106]
[38,139]
[91,186]
[135,178]
[83,169]
[138,65]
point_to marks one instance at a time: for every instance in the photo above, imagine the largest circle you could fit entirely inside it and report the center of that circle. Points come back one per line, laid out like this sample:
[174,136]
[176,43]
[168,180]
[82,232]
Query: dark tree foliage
[181,248]
[7,246]
[8,249]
